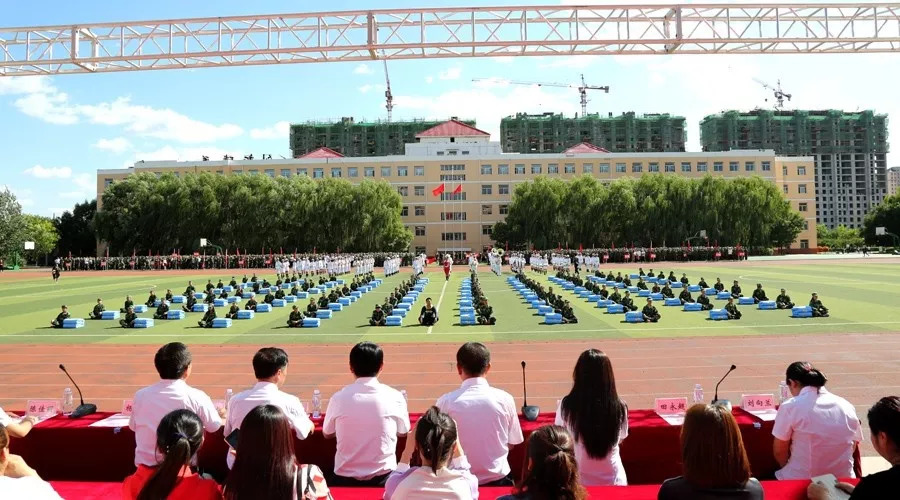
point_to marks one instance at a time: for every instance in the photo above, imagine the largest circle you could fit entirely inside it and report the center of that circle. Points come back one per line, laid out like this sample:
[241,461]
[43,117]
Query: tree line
[256,214]
[652,210]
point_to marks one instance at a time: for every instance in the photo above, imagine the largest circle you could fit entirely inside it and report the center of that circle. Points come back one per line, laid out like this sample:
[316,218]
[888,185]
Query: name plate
[42,408]
[758,402]
[127,407]
[670,406]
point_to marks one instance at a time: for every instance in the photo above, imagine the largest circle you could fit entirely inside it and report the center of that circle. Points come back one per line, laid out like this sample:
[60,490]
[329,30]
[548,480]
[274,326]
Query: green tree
[76,230]
[42,232]
[11,225]
[886,215]
[839,238]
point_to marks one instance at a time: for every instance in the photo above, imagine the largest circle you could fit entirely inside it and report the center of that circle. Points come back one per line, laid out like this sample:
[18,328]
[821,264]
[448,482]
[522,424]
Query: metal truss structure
[452,32]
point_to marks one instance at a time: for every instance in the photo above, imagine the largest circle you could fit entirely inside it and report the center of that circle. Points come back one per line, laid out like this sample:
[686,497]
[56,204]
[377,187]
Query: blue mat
[143,323]
[311,322]
[324,313]
[694,288]
[278,303]
[801,312]
[602,303]
[693,306]
[175,314]
[245,314]
[718,314]
[335,306]
[248,295]
[768,305]
[593,298]
[723,295]
[220,302]
[467,320]
[290,299]
[657,296]
[615,308]
[200,308]
[643,293]
[178,299]
[545,310]
[394,320]
[302,295]
[222,323]
[140,308]
[344,301]
[263,308]
[634,317]
[746,301]
[109,315]
[403,306]
[633,289]
[673,302]
[73,323]
[676,284]
[233,299]
[228,288]
[553,319]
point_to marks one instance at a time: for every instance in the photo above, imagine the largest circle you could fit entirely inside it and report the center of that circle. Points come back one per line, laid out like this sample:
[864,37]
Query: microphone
[723,402]
[83,409]
[530,412]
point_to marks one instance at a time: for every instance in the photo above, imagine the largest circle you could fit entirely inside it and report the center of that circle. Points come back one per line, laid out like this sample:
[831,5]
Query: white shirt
[266,393]
[30,487]
[606,471]
[4,418]
[487,423]
[366,416]
[822,429]
[421,483]
[154,402]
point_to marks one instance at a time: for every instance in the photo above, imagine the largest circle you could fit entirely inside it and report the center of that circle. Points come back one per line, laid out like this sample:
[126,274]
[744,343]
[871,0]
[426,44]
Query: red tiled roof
[584,148]
[323,152]
[452,128]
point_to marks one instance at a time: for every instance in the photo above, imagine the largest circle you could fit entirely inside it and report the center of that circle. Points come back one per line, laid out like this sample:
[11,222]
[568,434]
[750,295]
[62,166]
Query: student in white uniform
[152,403]
[815,431]
[270,368]
[366,417]
[597,419]
[485,416]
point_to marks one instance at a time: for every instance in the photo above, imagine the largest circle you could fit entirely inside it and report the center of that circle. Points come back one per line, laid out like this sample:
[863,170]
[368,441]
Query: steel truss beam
[452,32]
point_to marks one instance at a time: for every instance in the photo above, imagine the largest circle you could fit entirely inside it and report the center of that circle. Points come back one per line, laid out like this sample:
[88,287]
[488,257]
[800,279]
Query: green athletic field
[862,297]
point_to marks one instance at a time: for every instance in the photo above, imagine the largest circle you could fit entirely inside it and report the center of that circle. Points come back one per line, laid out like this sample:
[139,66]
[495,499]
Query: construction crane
[582,89]
[389,98]
[779,94]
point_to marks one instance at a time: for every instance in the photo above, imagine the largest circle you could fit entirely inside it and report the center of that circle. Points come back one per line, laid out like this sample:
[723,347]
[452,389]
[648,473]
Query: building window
[318,173]
[504,209]
[238,172]
[749,166]
[502,188]
[784,188]
[804,243]
[587,168]
[487,229]
[420,210]
[733,166]
[802,207]
[717,166]
[285,172]
[685,166]
[604,168]
[404,211]
[107,183]
[520,169]
[453,197]
[440,153]
[402,171]
[403,190]
[801,170]
[486,189]
[335,171]
[270,172]
[766,166]
[419,190]
[369,171]
[620,168]
[784,171]
[453,236]
[670,166]
[535,168]
[352,171]
[653,167]
[453,168]
[177,175]
[570,168]
[385,171]
[806,225]
[801,188]
[453,215]
[420,230]
[637,167]
[487,209]
[503,169]
[487,170]
[701,166]
[553,168]
[419,170]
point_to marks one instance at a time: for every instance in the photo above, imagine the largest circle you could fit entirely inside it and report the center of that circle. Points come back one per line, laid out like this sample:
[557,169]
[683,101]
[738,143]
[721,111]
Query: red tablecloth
[775,490]
[64,449]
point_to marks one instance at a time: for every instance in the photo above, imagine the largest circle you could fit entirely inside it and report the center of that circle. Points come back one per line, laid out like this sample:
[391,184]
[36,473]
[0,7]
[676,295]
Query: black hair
[436,437]
[268,360]
[366,359]
[805,374]
[172,360]
[474,358]
[592,409]
[178,437]
[884,416]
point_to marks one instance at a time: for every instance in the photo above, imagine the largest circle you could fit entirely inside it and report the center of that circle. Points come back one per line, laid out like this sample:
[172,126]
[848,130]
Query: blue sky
[57,131]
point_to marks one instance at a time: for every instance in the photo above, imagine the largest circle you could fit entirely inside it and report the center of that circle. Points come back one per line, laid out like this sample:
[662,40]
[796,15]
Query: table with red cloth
[69,449]
[775,490]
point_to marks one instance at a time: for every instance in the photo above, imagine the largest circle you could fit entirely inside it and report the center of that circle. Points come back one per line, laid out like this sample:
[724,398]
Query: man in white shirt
[152,403]
[485,416]
[367,417]
[270,367]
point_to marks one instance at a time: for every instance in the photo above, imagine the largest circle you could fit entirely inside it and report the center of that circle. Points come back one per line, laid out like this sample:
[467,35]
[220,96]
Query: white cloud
[25,85]
[50,107]
[42,172]
[365,89]
[429,79]
[78,195]
[279,130]
[85,181]
[363,69]
[450,73]
[116,145]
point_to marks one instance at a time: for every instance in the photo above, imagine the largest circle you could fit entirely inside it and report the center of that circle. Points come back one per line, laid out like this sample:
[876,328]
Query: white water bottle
[228,394]
[68,402]
[698,393]
[316,404]
[784,392]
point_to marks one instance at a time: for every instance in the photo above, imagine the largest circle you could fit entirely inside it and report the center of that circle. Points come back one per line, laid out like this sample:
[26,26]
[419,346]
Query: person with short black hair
[151,300]
[377,318]
[736,290]
[818,310]
[815,432]
[61,317]
[190,302]
[233,311]
[783,301]
[759,294]
[208,317]
[429,314]
[129,319]
[732,310]
[295,319]
[173,363]
[128,304]
[550,469]
[251,304]
[97,312]
[486,416]
[650,313]
[162,311]
[703,300]
[365,458]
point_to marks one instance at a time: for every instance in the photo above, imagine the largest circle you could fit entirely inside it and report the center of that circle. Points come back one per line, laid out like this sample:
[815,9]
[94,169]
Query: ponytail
[178,437]
[436,437]
[805,374]
[551,470]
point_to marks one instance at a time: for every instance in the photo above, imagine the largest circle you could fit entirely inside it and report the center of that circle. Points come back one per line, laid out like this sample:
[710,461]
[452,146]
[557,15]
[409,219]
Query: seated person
[649,312]
[333,296]
[269,298]
[295,290]
[703,300]
[641,284]
[619,277]
[208,317]
[305,286]
[783,301]
[162,310]
[684,279]
[685,297]
[210,299]
[387,308]
[626,281]
[429,314]
[719,286]
[354,286]
[221,285]
[671,277]
[233,282]
[244,279]
[486,314]
[641,272]
[251,304]
[232,311]
[130,316]
[345,291]
[256,286]
[279,294]
[661,276]
[311,309]
[656,288]
[702,283]
[189,303]
[151,300]
[168,296]
[295,319]
[377,318]
[17,479]
[189,290]
[278,282]
[615,297]
[97,312]
[627,302]
[127,305]
[732,309]
[568,315]
[818,310]
[759,294]
[62,316]
[209,286]
[736,290]
[604,293]
[323,302]
[667,292]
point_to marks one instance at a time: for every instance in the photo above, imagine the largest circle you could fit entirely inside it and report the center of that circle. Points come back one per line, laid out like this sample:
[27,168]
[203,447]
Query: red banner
[438,190]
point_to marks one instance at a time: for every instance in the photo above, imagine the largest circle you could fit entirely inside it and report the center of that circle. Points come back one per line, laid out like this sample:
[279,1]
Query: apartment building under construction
[626,133]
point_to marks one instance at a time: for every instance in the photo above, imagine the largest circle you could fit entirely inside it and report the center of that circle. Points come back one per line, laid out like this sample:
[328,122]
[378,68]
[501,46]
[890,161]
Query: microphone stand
[723,402]
[530,412]
[83,409]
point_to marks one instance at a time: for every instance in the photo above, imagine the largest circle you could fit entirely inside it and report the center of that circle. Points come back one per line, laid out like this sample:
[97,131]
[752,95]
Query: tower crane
[389,98]
[582,88]
[779,94]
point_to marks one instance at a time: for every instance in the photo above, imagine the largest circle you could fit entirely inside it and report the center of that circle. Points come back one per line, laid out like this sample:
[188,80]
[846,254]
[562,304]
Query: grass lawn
[862,297]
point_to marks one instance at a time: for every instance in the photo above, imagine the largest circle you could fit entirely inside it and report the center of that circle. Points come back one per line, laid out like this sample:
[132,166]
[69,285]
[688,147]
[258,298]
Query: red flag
[580,247]
[458,189]
[438,190]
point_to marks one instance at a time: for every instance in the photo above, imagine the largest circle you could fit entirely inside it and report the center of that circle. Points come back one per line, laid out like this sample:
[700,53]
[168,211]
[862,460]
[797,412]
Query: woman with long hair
[178,437]
[265,466]
[444,471]
[815,431]
[550,471]
[715,464]
[597,419]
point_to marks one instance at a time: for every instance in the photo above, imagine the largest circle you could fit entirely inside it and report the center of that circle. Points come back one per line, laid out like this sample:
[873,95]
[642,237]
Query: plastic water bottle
[228,394]
[68,401]
[316,404]
[698,393]
[784,392]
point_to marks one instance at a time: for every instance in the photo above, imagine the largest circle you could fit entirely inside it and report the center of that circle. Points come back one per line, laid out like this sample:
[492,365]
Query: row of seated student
[464,440]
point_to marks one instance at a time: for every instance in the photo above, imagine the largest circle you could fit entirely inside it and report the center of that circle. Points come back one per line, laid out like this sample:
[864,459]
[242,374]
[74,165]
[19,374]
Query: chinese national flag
[458,189]
[438,190]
